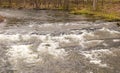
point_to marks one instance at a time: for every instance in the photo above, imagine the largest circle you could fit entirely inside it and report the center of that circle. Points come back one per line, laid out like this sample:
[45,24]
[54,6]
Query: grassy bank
[105,9]
[109,11]
[99,14]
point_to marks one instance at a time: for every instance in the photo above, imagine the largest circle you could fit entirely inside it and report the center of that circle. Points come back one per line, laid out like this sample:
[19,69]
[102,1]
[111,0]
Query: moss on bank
[100,14]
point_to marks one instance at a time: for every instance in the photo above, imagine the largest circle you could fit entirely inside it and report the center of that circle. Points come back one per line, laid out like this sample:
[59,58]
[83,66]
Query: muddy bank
[1,19]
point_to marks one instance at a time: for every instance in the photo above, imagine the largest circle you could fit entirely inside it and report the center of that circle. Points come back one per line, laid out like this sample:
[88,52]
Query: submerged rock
[118,24]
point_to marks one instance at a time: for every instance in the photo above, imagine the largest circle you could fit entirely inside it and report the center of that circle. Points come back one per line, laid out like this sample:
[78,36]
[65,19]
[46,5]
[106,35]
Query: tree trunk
[94,4]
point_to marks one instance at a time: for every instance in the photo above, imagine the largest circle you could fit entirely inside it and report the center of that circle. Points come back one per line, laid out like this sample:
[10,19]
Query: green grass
[100,14]
[83,11]
[108,16]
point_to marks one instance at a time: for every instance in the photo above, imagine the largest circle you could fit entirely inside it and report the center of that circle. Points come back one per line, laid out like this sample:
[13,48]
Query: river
[47,41]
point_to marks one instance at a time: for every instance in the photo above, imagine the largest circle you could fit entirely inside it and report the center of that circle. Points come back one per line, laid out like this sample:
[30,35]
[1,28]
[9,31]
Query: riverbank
[1,19]
[109,11]
[97,14]
[104,9]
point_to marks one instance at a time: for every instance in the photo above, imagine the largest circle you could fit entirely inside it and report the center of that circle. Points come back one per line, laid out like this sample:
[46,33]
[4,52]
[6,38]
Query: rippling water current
[49,41]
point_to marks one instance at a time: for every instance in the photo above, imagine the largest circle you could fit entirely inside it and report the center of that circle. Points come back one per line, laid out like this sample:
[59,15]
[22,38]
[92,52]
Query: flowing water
[46,41]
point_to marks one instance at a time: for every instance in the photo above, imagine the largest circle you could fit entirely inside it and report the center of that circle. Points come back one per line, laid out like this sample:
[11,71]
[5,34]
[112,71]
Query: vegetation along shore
[105,9]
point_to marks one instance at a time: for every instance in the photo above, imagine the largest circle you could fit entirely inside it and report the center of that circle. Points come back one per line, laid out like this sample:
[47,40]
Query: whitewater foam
[54,46]
[95,55]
